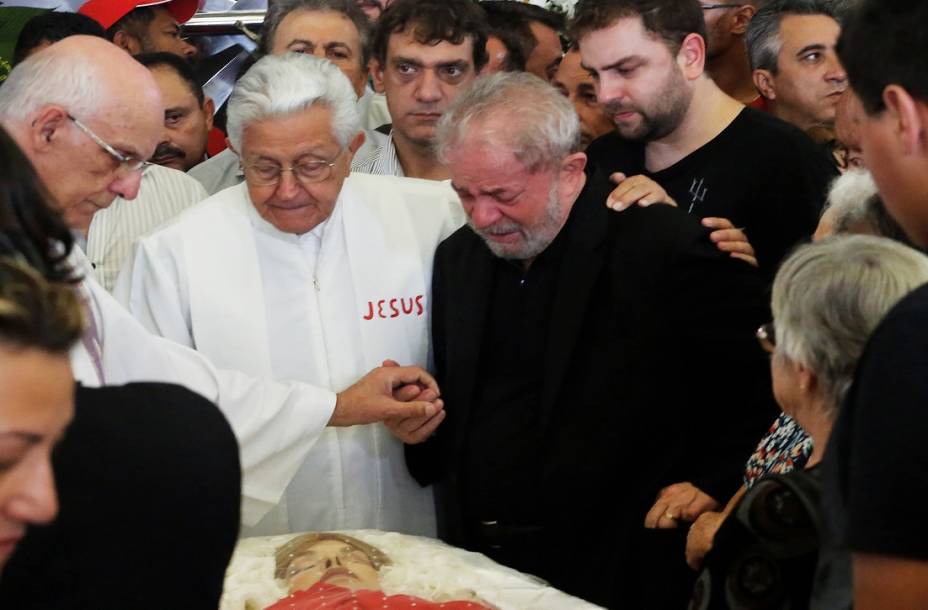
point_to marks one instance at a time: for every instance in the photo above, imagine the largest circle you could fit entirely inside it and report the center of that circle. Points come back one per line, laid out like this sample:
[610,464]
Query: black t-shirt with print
[761,173]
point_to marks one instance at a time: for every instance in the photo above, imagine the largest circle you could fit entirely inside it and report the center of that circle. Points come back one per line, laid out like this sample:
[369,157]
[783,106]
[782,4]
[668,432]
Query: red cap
[108,12]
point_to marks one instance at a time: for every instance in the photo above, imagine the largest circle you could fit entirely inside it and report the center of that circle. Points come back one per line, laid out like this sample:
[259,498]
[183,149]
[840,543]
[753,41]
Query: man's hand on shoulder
[636,189]
[374,397]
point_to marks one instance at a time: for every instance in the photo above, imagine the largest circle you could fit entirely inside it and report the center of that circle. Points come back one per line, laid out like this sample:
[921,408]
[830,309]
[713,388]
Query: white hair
[48,77]
[828,297]
[283,85]
[514,109]
[848,199]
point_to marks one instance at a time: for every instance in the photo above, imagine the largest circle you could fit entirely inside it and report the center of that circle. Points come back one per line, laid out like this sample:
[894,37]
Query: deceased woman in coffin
[370,569]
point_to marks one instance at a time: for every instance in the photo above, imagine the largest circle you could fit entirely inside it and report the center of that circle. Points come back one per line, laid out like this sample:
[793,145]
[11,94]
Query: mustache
[500,228]
[613,108]
[166,149]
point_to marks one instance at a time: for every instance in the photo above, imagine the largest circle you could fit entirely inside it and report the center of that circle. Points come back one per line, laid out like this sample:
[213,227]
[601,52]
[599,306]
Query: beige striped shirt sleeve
[163,194]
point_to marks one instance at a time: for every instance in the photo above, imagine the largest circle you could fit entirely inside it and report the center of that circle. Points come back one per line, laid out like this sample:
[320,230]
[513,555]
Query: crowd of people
[629,300]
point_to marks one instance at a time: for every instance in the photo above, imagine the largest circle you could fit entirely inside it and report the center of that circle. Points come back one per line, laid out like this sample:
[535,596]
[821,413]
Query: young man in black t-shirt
[681,139]
[878,453]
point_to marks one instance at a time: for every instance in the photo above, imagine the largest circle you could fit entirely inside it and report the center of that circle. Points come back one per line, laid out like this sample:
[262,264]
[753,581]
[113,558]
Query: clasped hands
[405,398]
[680,502]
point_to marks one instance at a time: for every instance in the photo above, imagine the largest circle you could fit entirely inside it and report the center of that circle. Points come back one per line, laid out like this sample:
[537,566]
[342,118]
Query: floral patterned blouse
[785,447]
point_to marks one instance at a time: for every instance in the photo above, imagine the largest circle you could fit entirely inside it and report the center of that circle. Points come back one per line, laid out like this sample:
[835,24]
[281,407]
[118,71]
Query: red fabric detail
[760,103]
[216,142]
[108,12]
[323,596]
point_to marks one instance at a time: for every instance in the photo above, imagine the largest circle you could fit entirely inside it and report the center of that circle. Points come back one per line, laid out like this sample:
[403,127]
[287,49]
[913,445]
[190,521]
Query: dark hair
[135,23]
[510,22]
[671,20]
[763,36]
[525,12]
[431,22]
[279,10]
[52,27]
[179,65]
[35,313]
[515,34]
[30,228]
[883,43]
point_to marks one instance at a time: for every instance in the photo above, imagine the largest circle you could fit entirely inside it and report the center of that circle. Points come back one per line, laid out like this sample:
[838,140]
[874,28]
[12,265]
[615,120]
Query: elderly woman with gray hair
[828,297]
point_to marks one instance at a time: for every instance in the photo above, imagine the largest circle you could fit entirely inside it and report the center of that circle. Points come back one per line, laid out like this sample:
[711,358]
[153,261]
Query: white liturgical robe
[276,423]
[325,308]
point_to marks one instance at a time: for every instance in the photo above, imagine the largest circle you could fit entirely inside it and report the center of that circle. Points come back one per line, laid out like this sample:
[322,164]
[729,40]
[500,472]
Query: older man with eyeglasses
[306,272]
[84,164]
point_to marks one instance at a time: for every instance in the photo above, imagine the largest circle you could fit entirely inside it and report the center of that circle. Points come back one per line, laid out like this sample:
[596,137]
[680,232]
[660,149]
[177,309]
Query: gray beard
[534,240]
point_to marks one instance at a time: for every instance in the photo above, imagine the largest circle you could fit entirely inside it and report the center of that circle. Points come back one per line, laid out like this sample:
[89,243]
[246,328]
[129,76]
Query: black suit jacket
[652,376]
[149,488]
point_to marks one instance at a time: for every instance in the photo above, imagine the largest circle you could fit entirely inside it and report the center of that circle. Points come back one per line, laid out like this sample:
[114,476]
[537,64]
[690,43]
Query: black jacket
[652,376]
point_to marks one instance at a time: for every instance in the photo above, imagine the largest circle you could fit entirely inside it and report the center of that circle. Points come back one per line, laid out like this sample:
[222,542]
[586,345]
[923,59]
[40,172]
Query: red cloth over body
[323,596]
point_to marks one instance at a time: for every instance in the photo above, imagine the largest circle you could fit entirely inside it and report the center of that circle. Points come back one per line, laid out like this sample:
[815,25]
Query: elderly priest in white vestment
[305,272]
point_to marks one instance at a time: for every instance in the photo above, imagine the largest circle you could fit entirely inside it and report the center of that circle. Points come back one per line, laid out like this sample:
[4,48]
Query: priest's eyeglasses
[710,6]
[127,163]
[264,173]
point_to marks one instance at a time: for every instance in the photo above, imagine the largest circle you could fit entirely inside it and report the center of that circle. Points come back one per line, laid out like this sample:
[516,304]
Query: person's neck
[731,71]
[709,113]
[417,160]
[800,120]
[817,422]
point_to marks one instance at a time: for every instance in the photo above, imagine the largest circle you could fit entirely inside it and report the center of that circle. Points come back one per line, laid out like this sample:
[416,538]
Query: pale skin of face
[503,200]
[420,82]
[727,54]
[186,122]
[163,35]
[81,176]
[327,35]
[291,206]
[810,80]
[848,117]
[497,53]
[575,82]
[547,52]
[36,406]
[333,562]
[896,154]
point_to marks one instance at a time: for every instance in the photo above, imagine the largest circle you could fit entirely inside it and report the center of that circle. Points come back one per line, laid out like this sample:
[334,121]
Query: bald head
[109,94]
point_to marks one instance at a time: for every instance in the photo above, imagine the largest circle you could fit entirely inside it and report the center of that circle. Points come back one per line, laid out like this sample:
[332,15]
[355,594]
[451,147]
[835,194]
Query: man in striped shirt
[425,52]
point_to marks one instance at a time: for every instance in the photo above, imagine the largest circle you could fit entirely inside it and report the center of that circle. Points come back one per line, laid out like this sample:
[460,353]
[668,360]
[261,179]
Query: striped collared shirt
[163,194]
[380,158]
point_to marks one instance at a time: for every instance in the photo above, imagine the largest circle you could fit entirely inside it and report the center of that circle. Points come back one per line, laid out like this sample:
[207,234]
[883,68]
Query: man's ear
[377,74]
[46,127]
[692,56]
[910,119]
[355,144]
[742,18]
[209,108]
[764,82]
[572,178]
[127,42]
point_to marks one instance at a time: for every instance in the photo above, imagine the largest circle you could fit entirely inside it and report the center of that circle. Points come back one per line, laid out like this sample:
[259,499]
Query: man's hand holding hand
[374,397]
